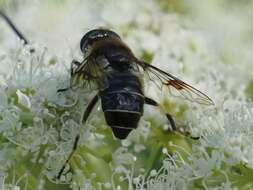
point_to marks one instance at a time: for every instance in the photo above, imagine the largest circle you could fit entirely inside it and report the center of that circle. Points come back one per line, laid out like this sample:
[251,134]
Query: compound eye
[95,34]
[84,42]
[88,38]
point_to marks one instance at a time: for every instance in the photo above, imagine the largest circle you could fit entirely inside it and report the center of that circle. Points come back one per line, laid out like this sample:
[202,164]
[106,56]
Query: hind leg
[152,102]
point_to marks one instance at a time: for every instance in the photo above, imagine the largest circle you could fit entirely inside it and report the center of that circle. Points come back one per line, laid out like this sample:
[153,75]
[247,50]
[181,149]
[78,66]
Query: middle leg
[84,118]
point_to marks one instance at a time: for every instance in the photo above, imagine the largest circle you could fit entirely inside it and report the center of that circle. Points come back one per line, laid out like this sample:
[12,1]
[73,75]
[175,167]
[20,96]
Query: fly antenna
[13,27]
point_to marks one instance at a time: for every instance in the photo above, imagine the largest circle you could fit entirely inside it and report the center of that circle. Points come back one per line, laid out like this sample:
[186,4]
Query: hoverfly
[111,65]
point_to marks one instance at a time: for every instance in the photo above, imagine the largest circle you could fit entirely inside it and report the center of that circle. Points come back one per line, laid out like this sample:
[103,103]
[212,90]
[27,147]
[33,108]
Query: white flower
[38,125]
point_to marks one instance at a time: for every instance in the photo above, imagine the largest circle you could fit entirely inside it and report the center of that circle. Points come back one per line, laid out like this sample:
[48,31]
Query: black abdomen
[121,123]
[122,102]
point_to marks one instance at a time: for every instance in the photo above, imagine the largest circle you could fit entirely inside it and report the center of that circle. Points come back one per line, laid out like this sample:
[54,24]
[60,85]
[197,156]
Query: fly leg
[152,102]
[13,27]
[84,119]
[74,62]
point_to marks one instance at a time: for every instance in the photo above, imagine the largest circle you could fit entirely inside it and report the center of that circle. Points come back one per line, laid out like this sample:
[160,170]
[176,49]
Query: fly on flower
[116,72]
[111,66]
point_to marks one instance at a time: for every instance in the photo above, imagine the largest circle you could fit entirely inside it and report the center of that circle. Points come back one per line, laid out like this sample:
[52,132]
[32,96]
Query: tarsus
[13,27]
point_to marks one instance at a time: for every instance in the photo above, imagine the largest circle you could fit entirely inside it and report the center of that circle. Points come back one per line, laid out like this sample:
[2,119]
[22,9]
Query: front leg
[13,27]
[74,62]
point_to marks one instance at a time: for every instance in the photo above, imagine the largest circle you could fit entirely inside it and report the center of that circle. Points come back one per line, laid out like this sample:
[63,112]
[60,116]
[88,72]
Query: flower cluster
[38,125]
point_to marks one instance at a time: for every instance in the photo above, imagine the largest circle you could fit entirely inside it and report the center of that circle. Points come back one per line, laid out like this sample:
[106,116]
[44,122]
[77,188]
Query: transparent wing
[176,86]
[84,75]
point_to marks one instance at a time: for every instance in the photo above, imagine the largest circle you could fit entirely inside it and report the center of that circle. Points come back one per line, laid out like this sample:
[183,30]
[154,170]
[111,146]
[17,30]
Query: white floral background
[207,44]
